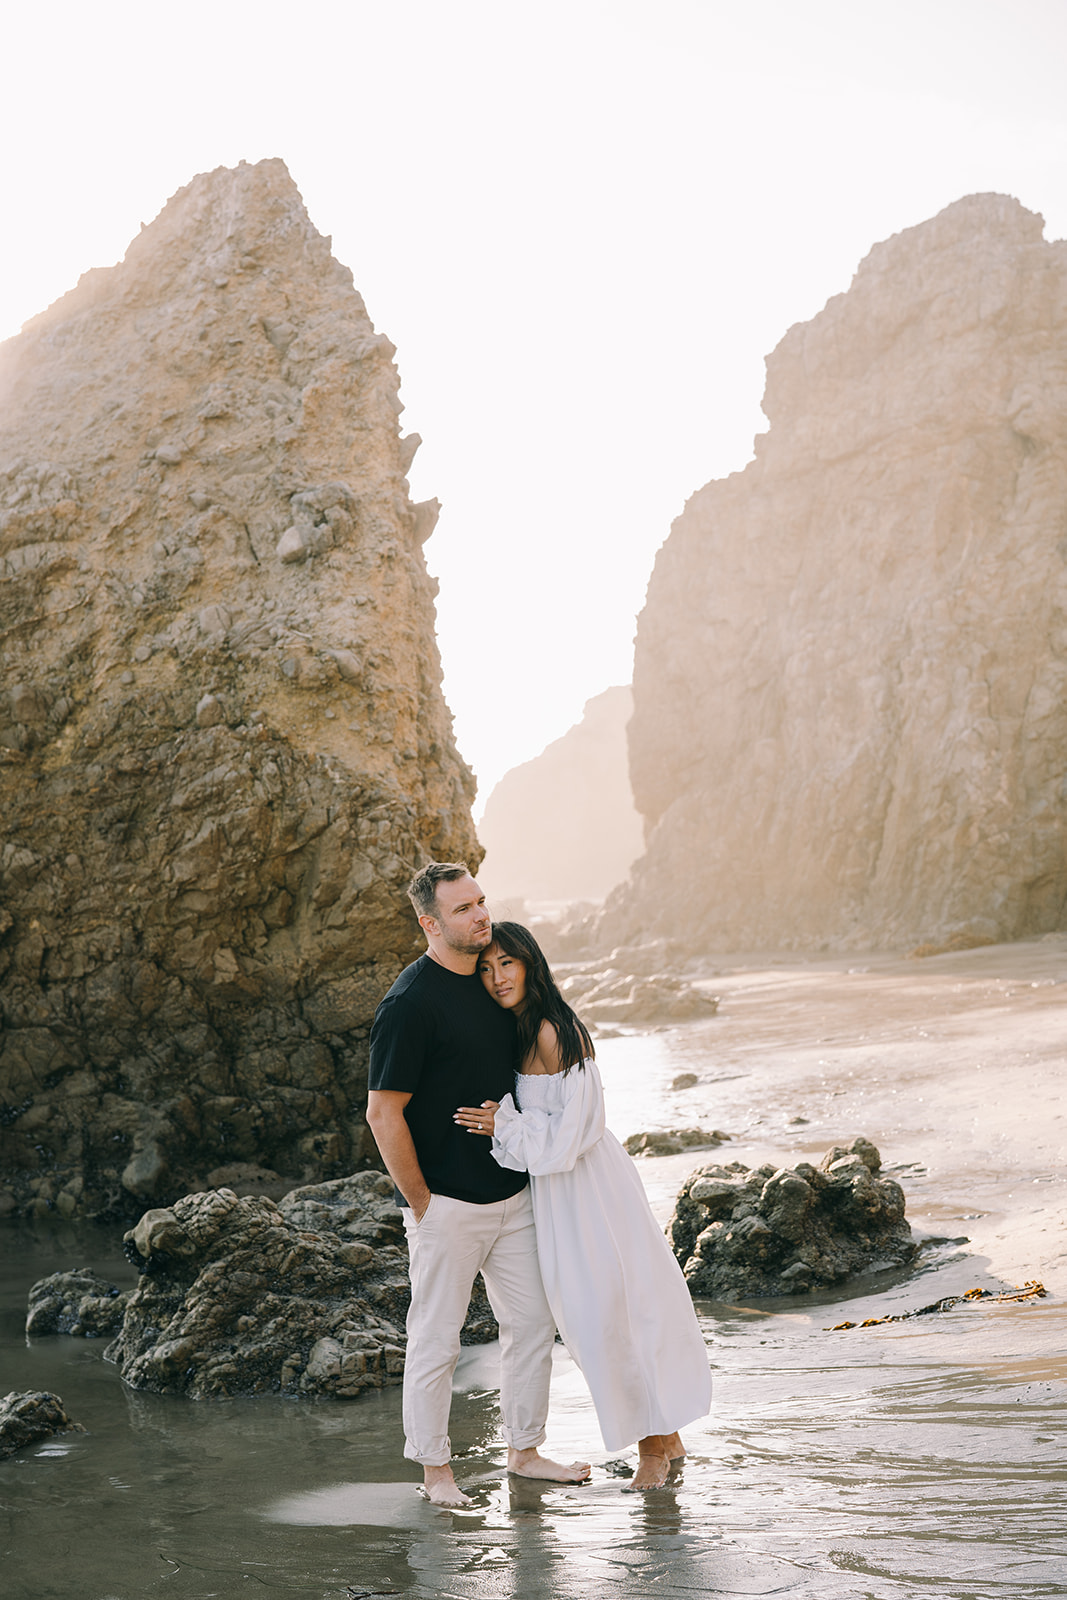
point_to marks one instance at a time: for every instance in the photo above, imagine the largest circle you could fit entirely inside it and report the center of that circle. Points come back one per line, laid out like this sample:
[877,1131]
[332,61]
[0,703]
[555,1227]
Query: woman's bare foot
[441,1489]
[673,1448]
[653,1463]
[531,1464]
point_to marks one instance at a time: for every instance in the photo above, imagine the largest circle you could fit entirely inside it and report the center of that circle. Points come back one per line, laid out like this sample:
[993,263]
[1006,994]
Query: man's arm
[386,1120]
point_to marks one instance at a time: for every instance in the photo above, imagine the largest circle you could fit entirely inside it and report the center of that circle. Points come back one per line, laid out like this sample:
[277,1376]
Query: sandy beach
[921,1457]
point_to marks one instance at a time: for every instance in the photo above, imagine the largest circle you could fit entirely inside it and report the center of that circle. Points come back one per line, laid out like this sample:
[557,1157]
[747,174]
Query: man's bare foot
[531,1464]
[441,1489]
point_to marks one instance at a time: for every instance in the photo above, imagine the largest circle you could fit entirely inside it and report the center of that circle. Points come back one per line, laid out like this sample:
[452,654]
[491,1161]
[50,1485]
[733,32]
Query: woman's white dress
[620,1302]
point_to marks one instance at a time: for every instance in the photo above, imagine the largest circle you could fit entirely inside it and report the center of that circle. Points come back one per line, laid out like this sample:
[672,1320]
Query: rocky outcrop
[563,827]
[619,996]
[223,744]
[849,689]
[630,987]
[236,1298]
[672,1141]
[25,1418]
[242,1295]
[80,1302]
[783,1230]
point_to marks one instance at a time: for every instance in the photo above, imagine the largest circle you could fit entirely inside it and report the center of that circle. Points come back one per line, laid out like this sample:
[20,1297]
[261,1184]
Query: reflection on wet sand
[348,1505]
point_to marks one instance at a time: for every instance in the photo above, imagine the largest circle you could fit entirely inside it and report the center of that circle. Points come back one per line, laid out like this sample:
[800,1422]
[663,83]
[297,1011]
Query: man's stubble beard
[465,947]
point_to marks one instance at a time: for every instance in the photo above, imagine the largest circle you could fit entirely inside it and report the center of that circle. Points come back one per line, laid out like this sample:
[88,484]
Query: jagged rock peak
[851,670]
[223,743]
[230,221]
[944,281]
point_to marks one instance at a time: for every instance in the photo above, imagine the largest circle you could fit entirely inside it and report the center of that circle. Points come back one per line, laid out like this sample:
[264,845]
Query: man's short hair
[422,890]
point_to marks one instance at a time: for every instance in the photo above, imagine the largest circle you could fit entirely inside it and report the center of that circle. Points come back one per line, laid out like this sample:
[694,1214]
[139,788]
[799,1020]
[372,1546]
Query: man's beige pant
[448,1248]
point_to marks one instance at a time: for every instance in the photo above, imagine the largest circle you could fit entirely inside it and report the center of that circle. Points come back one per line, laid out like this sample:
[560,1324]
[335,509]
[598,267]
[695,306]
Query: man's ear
[429,925]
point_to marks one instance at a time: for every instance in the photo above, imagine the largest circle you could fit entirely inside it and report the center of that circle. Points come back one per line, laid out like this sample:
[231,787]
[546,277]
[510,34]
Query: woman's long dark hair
[543,1002]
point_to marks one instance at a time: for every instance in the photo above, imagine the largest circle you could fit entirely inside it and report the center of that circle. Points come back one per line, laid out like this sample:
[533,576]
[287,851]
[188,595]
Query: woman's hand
[478,1119]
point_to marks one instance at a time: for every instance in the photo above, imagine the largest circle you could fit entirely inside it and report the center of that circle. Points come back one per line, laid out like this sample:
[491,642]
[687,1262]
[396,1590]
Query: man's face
[462,916]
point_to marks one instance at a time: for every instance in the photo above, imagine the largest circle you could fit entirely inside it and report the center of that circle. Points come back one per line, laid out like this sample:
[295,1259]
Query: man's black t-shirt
[439,1037]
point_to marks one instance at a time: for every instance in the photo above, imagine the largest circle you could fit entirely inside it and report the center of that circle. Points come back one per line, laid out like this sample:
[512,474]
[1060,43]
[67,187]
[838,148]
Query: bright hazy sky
[583,225]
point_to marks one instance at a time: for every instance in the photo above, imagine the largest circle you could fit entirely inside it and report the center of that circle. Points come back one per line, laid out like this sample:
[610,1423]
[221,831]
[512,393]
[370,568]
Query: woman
[618,1295]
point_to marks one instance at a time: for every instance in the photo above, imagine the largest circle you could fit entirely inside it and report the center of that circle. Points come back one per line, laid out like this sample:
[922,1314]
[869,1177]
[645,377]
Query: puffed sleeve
[539,1141]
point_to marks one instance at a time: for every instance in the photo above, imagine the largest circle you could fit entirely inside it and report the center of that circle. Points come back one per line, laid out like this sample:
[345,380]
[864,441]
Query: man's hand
[478,1119]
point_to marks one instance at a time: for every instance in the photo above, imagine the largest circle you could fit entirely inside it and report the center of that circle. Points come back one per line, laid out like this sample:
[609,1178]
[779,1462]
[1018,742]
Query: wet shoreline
[917,1457]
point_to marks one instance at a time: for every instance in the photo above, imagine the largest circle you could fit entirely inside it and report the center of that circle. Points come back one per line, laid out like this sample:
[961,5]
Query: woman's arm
[541,1142]
[544,1061]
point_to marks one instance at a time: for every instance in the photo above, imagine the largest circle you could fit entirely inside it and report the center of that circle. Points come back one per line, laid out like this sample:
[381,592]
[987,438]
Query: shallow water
[920,1458]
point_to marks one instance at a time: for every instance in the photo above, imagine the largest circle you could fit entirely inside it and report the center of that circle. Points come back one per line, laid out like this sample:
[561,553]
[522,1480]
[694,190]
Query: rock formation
[223,744]
[563,827]
[242,1295]
[236,1298]
[619,996]
[79,1302]
[672,1141]
[633,985]
[25,1418]
[773,1231]
[850,709]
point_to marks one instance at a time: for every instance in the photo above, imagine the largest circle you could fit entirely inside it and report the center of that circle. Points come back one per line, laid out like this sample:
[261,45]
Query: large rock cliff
[223,744]
[563,826]
[850,717]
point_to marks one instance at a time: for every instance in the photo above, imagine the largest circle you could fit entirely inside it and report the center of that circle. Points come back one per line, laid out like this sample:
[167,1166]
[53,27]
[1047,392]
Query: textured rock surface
[630,988]
[235,1299]
[564,826]
[850,708]
[79,1302]
[621,997]
[782,1231]
[25,1418]
[672,1141]
[243,1295]
[222,739]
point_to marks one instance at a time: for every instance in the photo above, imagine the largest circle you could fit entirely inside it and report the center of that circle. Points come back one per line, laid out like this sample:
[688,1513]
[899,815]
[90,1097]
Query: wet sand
[924,1457]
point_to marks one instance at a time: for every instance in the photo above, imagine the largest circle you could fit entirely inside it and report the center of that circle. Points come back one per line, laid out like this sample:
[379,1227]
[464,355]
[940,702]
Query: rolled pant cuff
[434,1458]
[523,1438]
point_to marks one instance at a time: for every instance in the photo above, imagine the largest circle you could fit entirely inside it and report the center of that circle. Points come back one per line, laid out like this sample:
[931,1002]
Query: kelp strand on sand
[1031,1290]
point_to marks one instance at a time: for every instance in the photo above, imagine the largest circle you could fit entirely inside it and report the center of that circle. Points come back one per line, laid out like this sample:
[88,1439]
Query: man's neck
[458,961]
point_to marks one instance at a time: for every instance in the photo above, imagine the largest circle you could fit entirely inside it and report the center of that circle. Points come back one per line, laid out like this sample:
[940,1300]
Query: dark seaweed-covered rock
[240,1295]
[362,1208]
[25,1418]
[236,1298]
[771,1231]
[78,1302]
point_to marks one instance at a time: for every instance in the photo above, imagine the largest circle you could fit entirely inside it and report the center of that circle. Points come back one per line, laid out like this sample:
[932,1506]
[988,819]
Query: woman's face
[504,976]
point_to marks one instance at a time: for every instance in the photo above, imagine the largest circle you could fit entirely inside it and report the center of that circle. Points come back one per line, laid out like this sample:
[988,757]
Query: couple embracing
[488,1110]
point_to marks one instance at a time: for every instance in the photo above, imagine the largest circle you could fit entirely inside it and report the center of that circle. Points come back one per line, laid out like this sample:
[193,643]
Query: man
[439,1042]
